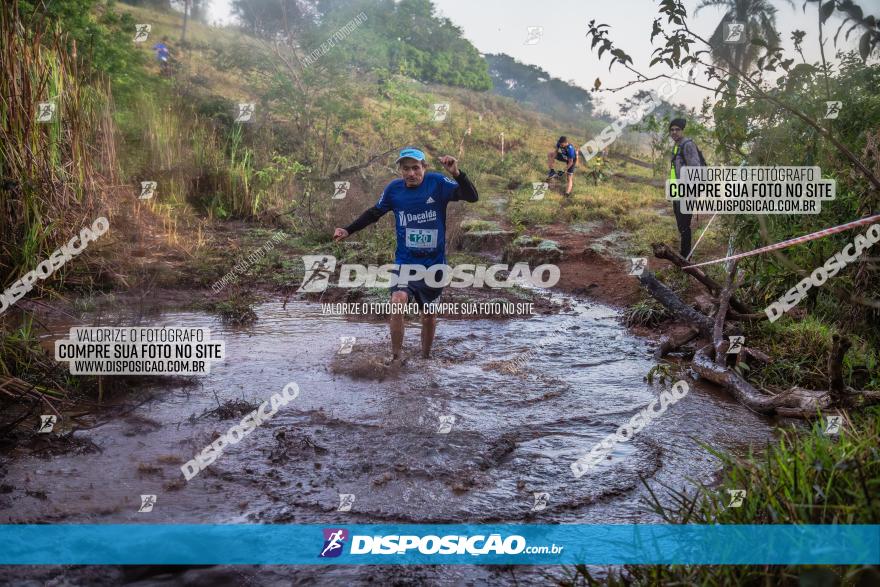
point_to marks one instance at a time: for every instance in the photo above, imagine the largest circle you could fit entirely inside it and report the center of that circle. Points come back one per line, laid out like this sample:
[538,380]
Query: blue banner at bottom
[532,544]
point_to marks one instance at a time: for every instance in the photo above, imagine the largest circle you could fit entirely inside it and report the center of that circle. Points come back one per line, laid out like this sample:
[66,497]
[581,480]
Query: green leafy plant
[662,371]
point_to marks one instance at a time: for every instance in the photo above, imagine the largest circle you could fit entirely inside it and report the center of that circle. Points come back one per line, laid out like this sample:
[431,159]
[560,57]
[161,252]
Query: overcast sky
[501,26]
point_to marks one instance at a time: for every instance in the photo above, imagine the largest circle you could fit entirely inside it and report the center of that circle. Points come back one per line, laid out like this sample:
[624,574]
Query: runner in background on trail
[568,154]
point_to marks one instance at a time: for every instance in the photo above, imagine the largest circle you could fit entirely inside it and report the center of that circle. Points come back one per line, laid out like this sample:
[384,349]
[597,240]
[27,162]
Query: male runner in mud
[419,200]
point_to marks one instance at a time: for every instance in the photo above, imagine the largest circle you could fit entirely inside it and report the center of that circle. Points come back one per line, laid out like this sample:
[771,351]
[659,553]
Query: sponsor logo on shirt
[421,218]
[430,200]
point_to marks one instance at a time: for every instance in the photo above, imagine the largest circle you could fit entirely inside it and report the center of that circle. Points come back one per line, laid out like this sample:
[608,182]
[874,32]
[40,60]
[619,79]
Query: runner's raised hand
[339,234]
[451,164]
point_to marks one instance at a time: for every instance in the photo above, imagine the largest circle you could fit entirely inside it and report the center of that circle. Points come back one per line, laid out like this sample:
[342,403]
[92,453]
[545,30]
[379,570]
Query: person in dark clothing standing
[684,154]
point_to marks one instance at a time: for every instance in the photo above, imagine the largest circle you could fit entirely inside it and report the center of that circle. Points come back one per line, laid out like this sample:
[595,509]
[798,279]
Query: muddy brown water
[515,432]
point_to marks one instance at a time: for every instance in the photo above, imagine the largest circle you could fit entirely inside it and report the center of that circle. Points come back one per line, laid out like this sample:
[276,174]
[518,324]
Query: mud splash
[467,436]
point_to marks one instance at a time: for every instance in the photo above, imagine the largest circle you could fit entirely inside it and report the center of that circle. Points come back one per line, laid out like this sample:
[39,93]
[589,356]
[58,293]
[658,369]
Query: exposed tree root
[711,361]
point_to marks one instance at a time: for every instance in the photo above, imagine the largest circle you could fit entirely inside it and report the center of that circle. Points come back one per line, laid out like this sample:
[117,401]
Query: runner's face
[675,133]
[412,172]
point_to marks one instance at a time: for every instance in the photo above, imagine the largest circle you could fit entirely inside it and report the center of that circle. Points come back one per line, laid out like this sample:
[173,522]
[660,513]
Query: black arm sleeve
[367,218]
[466,190]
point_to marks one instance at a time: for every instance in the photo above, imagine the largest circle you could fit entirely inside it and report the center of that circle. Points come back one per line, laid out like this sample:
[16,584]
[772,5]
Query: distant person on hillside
[418,199]
[684,154]
[163,56]
[568,154]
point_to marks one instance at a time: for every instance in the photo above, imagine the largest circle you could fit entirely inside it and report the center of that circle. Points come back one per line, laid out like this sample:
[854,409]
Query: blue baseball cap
[410,153]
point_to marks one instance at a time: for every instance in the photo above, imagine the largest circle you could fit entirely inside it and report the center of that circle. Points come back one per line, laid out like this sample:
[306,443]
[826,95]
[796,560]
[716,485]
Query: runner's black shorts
[422,293]
[559,157]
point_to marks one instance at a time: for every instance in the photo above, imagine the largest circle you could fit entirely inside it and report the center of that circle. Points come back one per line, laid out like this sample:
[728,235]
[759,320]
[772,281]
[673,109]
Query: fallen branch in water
[795,402]
[682,311]
[706,365]
[711,360]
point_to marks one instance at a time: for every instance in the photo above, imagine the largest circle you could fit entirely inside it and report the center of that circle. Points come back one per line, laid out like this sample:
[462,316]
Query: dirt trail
[592,263]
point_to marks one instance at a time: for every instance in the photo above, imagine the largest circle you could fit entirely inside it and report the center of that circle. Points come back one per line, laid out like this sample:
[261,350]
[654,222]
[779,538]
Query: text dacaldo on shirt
[420,218]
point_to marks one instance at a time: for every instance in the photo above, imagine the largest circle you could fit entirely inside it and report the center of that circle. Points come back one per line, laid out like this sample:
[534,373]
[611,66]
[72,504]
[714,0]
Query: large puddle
[514,431]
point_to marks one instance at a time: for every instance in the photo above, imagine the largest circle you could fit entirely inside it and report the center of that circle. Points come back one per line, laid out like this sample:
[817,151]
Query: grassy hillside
[224,188]
[285,162]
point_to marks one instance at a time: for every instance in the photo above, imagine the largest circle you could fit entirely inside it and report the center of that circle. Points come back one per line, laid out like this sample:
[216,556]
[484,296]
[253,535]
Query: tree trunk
[186,4]
[709,361]
[732,284]
[796,402]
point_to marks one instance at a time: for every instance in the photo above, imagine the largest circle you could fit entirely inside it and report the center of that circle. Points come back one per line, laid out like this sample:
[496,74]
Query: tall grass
[203,164]
[53,180]
[28,378]
[48,170]
[806,477]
